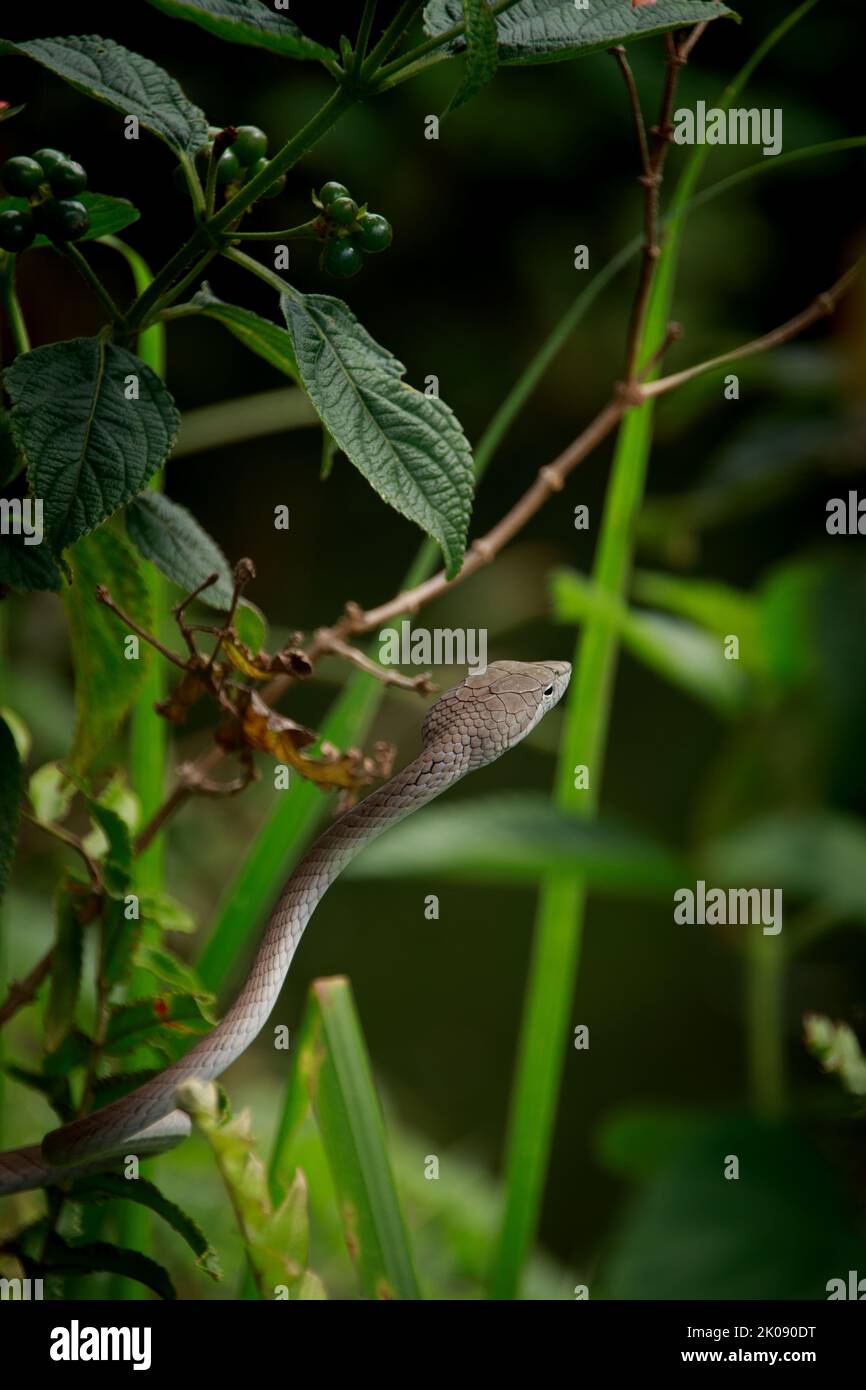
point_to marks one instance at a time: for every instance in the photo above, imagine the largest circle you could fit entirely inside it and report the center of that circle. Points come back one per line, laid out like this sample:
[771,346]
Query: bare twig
[103,596]
[25,991]
[57,832]
[619,54]
[326,641]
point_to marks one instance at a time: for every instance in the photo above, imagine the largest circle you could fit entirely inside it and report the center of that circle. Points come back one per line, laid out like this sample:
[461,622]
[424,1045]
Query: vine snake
[467,727]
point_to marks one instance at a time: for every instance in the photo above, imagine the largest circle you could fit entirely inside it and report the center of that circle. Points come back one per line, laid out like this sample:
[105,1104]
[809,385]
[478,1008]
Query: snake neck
[114,1129]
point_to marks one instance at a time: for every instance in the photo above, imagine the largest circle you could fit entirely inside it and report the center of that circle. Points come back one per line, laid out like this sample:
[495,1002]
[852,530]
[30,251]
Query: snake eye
[548,691]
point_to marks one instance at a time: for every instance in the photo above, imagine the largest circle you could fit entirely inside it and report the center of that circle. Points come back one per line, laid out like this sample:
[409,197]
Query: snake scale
[467,727]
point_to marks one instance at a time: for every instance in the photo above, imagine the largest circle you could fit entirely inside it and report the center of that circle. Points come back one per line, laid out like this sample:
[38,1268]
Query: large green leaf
[247,21]
[103,1187]
[334,1066]
[132,84]
[817,857]
[261,336]
[170,537]
[548,31]
[106,215]
[517,839]
[106,683]
[11,787]
[409,446]
[780,1230]
[155,1022]
[88,448]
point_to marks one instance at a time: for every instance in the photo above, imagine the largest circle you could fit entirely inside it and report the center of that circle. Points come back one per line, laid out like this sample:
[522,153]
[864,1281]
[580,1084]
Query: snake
[469,726]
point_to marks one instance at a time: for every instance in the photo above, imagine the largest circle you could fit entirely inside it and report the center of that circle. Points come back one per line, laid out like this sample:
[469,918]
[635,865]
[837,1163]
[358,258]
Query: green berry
[251,144]
[342,211]
[49,159]
[276,189]
[67,178]
[21,175]
[342,258]
[374,232]
[16,229]
[62,219]
[228,167]
[329,191]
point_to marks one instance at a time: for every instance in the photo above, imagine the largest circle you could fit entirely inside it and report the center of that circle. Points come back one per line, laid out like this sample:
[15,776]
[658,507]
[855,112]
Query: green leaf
[11,788]
[679,651]
[107,215]
[261,336]
[250,625]
[98,1257]
[248,22]
[103,1187]
[482,52]
[51,793]
[65,971]
[106,684]
[27,568]
[107,1089]
[170,537]
[154,1022]
[817,857]
[166,912]
[783,1227]
[88,449]
[117,858]
[168,970]
[516,839]
[410,447]
[549,31]
[133,85]
[11,462]
[334,1062]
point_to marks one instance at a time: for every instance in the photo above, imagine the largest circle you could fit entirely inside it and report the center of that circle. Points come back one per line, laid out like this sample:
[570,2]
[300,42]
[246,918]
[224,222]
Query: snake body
[468,727]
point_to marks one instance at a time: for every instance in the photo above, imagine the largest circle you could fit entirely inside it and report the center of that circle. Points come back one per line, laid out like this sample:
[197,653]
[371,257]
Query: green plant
[114,543]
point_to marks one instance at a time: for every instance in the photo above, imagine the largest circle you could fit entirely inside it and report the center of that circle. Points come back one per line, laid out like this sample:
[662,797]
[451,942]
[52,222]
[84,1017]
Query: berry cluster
[49,180]
[243,158]
[350,232]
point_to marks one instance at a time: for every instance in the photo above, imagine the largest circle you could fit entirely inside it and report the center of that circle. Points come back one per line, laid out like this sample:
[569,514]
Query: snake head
[490,711]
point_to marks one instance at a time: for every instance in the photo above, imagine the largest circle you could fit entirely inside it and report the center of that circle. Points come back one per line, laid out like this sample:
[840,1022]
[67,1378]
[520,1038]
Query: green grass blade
[562,906]
[148,748]
[334,1062]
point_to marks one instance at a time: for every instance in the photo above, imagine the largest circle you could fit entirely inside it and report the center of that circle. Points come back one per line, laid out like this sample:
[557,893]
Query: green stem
[87,272]
[438,41]
[304,231]
[205,239]
[390,37]
[9,300]
[765,1023]
[562,907]
[364,29]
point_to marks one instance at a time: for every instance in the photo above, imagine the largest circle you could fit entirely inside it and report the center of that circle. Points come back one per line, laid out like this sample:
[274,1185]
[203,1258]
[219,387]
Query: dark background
[481,268]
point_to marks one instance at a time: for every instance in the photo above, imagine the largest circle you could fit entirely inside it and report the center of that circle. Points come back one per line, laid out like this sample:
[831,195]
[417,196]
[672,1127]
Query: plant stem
[205,240]
[87,272]
[9,300]
[765,1023]
[390,37]
[428,46]
[364,29]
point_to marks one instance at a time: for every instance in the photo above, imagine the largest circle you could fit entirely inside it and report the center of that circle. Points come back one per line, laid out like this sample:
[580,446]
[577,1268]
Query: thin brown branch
[25,991]
[621,57]
[822,306]
[57,832]
[327,642]
[103,596]
[651,181]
